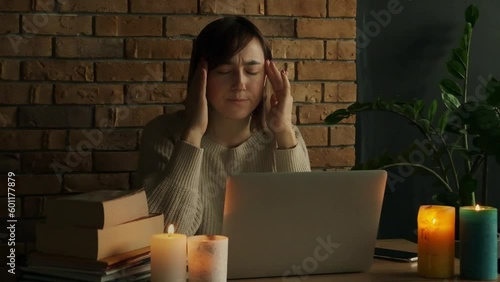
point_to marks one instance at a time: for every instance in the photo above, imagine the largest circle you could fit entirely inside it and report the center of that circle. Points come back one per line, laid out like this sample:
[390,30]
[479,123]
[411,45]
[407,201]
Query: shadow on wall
[402,51]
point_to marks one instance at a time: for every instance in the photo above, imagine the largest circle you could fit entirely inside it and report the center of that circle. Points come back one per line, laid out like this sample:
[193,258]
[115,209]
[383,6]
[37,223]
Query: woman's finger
[273,74]
[286,82]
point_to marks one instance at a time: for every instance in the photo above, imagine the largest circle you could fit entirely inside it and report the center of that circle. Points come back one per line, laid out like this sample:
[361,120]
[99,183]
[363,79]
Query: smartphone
[395,255]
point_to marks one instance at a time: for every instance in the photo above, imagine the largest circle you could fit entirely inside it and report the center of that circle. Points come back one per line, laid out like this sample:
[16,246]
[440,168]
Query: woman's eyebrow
[246,63]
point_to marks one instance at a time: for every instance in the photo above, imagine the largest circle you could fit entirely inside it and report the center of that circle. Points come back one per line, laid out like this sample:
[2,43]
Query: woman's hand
[197,106]
[280,116]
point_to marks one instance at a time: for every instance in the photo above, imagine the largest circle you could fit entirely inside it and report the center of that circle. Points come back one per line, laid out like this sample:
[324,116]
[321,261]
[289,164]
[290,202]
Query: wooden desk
[381,271]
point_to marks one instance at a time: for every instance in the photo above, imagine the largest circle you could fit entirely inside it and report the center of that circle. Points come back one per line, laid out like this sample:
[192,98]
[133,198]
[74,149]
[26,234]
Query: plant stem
[455,173]
[424,168]
[485,180]
[466,78]
[441,165]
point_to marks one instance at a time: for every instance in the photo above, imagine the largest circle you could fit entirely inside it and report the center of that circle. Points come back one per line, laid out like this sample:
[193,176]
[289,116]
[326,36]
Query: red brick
[297,49]
[58,70]
[314,135]
[10,162]
[340,92]
[296,8]
[9,23]
[235,7]
[176,71]
[128,25]
[306,92]
[8,116]
[33,184]
[331,70]
[45,162]
[60,117]
[289,67]
[128,116]
[27,47]
[164,6]
[342,8]
[15,5]
[9,69]
[342,135]
[116,161]
[347,50]
[316,113]
[57,25]
[275,27]
[326,28]
[332,157]
[156,93]
[4,202]
[95,182]
[69,47]
[332,47]
[158,49]
[187,25]
[97,6]
[44,5]
[14,140]
[22,93]
[88,94]
[105,138]
[129,71]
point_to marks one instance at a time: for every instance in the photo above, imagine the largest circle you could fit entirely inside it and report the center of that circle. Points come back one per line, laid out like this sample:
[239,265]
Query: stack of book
[96,236]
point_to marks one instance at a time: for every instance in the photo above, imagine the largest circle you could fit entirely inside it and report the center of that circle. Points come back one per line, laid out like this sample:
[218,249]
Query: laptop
[302,223]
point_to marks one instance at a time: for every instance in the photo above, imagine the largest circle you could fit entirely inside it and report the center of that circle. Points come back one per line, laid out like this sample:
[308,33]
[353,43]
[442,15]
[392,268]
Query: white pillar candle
[207,258]
[168,257]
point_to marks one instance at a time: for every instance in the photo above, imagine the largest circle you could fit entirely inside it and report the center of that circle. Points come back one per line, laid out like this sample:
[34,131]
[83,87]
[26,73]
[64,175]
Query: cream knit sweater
[187,183]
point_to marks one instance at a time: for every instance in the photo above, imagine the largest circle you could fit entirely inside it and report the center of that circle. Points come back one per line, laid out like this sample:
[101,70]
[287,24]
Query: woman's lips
[237,101]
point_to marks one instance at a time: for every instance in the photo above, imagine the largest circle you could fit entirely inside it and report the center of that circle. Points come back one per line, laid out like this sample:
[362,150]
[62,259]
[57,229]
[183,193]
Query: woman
[229,126]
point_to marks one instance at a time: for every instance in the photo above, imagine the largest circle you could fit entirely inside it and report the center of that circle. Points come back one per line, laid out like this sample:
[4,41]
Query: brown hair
[219,41]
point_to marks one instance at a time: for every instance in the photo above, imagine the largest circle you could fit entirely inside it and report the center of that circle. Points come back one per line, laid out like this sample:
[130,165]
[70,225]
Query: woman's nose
[239,81]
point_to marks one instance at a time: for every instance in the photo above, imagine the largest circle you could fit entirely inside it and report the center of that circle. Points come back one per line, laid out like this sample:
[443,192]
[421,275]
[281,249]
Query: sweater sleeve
[169,171]
[295,159]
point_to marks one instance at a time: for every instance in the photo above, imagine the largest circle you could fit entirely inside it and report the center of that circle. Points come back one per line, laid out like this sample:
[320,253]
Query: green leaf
[450,87]
[358,107]
[460,55]
[450,101]
[493,92]
[464,43]
[432,110]
[409,111]
[337,116]
[443,121]
[456,69]
[472,14]
[468,34]
[425,124]
[418,106]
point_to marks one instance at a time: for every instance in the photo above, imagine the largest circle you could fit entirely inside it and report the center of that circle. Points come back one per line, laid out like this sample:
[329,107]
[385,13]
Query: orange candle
[436,241]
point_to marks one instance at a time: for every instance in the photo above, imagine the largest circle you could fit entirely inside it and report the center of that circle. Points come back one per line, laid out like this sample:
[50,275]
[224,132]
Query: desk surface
[381,271]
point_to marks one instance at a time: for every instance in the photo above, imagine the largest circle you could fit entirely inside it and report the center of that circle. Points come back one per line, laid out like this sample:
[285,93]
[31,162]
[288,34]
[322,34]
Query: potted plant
[460,139]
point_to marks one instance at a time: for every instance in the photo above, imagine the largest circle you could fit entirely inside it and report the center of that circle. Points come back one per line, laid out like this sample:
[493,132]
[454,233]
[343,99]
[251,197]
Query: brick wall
[79,79]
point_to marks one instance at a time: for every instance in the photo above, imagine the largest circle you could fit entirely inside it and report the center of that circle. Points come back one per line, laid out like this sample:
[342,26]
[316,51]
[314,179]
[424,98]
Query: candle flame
[478,208]
[170,229]
[434,221]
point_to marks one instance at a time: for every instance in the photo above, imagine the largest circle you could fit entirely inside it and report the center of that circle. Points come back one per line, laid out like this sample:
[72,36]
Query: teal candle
[478,243]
